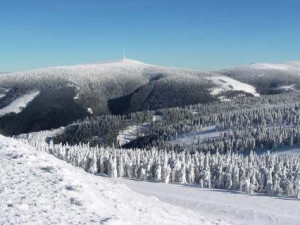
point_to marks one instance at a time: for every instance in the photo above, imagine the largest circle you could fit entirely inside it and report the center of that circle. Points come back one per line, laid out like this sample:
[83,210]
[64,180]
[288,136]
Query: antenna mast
[124,54]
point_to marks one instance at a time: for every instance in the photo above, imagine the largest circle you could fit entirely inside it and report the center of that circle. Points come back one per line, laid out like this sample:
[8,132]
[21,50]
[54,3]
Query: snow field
[40,136]
[196,137]
[227,84]
[19,104]
[4,91]
[130,133]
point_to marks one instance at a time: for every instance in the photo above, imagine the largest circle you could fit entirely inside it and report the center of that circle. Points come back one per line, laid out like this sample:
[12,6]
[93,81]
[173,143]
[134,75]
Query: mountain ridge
[126,86]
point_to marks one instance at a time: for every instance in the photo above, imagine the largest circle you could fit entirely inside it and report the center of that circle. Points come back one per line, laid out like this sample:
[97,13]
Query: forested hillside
[241,125]
[117,87]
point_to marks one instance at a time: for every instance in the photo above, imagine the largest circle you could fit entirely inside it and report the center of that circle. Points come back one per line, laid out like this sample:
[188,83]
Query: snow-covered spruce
[265,123]
[268,173]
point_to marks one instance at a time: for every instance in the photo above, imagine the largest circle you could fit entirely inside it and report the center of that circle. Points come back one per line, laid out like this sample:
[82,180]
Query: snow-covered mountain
[67,93]
[268,78]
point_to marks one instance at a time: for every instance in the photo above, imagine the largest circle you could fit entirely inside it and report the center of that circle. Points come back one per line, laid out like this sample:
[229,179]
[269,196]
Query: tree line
[271,174]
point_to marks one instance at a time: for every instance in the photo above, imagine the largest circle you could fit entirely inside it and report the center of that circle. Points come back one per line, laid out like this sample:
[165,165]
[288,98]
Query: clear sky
[204,35]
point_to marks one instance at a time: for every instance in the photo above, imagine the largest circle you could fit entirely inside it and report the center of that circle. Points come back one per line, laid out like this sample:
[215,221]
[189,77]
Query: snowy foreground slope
[37,188]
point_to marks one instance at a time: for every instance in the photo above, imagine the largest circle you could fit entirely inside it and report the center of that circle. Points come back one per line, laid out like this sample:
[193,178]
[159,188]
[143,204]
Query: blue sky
[204,35]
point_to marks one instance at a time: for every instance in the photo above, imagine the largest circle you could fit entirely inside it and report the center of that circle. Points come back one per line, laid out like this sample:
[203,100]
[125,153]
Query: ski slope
[36,188]
[131,133]
[229,206]
[197,137]
[228,84]
[19,104]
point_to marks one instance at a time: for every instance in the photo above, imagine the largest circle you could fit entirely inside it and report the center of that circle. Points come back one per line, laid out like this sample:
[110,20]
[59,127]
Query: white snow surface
[196,137]
[291,151]
[232,207]
[228,84]
[90,110]
[37,188]
[19,104]
[117,71]
[40,136]
[123,61]
[295,151]
[78,73]
[131,133]
[291,87]
[4,91]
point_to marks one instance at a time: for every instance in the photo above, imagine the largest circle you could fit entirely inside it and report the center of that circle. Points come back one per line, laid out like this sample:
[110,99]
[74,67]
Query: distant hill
[68,93]
[268,78]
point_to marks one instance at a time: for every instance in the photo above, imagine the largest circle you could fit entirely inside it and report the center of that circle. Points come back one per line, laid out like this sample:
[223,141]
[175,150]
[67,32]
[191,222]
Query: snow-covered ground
[90,110]
[228,84]
[19,104]
[290,151]
[196,137]
[157,118]
[232,207]
[131,133]
[37,188]
[40,136]
[286,88]
[283,151]
[3,91]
